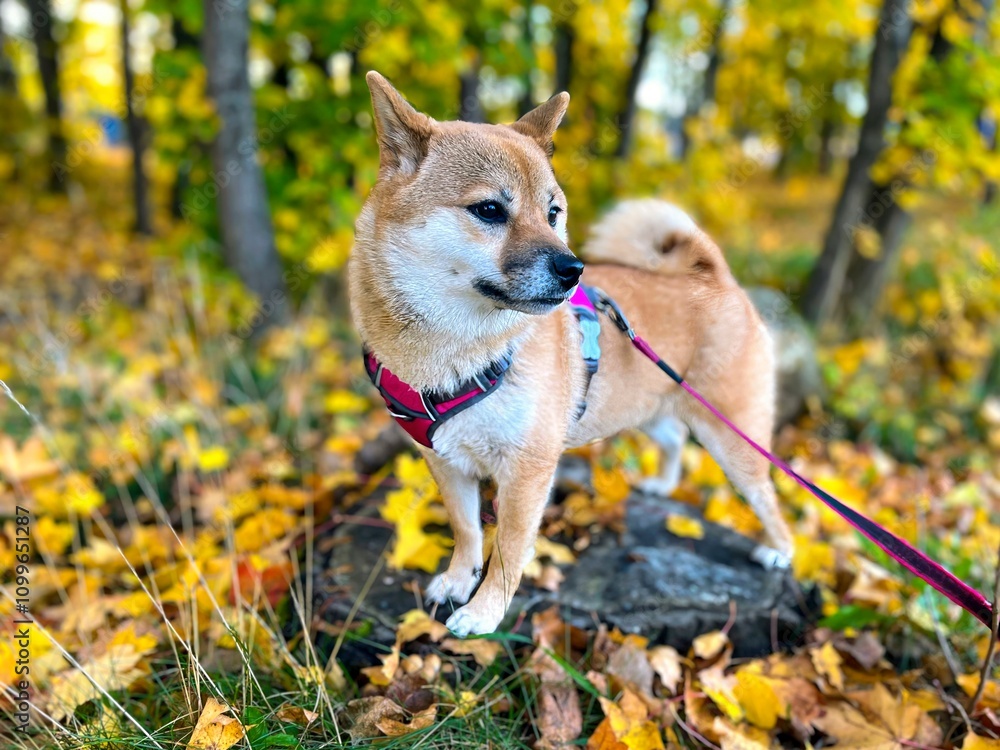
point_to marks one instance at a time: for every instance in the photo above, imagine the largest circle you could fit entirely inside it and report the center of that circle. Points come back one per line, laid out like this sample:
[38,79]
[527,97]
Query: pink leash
[899,550]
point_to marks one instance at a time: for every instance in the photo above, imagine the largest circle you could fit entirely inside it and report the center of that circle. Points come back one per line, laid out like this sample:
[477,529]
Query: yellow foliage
[629,722]
[610,484]
[757,698]
[341,401]
[52,537]
[827,662]
[684,526]
[263,528]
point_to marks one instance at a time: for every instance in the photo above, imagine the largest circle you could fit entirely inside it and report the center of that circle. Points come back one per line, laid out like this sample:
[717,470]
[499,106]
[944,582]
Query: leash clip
[610,308]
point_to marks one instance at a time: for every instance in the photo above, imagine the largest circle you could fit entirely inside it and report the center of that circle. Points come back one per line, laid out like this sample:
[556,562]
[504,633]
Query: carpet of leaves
[179,471]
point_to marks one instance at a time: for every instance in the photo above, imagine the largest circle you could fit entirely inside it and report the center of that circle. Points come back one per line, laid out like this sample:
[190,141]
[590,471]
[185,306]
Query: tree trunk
[714,56]
[470,108]
[825,146]
[564,56]
[991,376]
[708,83]
[866,276]
[244,218]
[826,282]
[183,39]
[626,119]
[526,103]
[10,109]
[8,76]
[136,135]
[48,68]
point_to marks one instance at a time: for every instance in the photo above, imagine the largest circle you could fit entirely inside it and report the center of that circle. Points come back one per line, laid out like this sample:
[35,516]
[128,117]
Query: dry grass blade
[984,673]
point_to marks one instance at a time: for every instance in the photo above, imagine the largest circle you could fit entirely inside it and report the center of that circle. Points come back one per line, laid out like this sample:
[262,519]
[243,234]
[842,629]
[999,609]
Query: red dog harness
[421,413]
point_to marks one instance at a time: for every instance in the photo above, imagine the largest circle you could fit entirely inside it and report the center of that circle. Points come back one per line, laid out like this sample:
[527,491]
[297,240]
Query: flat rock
[646,581]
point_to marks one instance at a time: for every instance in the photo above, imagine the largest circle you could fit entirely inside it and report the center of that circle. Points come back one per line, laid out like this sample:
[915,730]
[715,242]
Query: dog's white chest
[485,437]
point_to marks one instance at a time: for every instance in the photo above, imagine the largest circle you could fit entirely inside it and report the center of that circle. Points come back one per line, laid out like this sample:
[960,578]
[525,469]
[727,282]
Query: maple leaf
[991,693]
[215,730]
[52,537]
[827,662]
[882,722]
[417,623]
[29,462]
[757,698]
[484,651]
[378,715]
[978,742]
[382,675]
[666,662]
[116,669]
[629,722]
[411,508]
[296,715]
[415,548]
[710,645]
[560,720]
[740,737]
[721,688]
[558,553]
[610,484]
[392,727]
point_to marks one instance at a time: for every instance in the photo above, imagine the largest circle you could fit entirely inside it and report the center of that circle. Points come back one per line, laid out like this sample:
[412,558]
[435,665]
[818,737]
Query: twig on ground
[984,673]
[949,655]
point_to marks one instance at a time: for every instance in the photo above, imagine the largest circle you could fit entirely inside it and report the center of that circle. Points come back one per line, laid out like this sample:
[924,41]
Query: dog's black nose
[567,269]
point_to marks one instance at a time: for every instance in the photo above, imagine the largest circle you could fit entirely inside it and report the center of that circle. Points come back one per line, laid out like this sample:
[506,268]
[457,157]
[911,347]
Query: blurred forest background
[180,181]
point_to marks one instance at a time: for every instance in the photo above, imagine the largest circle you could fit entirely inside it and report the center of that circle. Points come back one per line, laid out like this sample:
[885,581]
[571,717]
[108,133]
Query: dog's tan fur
[418,253]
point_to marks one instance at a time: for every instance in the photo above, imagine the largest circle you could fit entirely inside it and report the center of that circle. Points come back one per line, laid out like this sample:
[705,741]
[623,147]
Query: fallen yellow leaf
[827,662]
[978,742]
[685,527]
[558,553]
[761,705]
[415,624]
[710,645]
[666,662]
[482,650]
[215,730]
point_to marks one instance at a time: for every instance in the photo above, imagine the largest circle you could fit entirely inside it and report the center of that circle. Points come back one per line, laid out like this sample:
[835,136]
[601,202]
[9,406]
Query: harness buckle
[427,408]
[610,308]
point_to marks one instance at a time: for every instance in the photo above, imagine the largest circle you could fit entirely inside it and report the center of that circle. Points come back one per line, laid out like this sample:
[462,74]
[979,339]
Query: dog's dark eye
[489,211]
[554,215]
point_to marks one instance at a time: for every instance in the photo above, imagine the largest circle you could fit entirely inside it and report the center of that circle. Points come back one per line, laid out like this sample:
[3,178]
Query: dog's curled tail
[655,236]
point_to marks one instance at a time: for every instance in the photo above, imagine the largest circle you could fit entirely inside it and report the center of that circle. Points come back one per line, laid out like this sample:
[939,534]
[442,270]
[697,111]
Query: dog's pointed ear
[403,133]
[541,123]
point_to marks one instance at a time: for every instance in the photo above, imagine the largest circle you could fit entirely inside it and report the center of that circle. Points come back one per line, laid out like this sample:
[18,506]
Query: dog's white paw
[452,587]
[467,621]
[770,559]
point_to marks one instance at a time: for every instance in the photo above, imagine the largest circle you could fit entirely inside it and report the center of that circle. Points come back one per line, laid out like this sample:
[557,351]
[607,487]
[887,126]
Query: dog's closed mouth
[526,304]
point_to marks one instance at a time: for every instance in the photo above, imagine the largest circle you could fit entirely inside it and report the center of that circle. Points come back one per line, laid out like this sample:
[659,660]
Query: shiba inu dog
[460,262]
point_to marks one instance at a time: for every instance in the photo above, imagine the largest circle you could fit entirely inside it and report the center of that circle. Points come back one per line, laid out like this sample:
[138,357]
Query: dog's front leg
[521,498]
[460,493]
